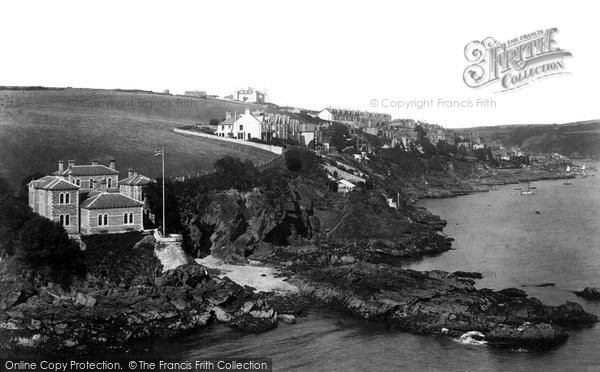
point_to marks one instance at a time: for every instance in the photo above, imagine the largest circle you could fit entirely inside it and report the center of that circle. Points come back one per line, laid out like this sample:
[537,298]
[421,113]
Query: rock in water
[526,335]
[591,293]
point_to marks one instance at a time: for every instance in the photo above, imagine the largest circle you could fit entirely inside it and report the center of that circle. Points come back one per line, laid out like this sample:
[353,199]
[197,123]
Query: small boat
[529,191]
[538,212]
[566,183]
[518,188]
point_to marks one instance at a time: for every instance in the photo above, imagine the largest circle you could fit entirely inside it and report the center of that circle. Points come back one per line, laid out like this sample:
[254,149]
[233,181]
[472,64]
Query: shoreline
[289,281]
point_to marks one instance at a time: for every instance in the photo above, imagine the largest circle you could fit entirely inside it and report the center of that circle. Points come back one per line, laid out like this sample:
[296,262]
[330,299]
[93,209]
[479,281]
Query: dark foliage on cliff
[340,136]
[304,162]
[36,242]
[406,164]
[233,173]
[13,215]
[117,258]
[45,244]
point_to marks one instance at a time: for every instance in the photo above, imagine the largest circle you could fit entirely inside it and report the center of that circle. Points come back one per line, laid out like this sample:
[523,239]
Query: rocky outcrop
[92,316]
[257,224]
[427,302]
[591,293]
[526,335]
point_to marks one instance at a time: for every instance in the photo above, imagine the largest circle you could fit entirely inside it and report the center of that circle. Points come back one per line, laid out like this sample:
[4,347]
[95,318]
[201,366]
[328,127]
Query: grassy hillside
[567,139]
[40,127]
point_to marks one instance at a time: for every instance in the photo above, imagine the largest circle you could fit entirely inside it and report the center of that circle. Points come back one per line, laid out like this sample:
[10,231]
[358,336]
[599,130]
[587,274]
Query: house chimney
[71,163]
[227,115]
[247,111]
[60,166]
[95,162]
[129,172]
[112,164]
[135,173]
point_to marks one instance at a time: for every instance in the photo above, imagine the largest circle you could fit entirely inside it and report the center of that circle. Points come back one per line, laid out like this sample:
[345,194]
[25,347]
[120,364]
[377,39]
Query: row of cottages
[90,199]
[363,118]
[260,125]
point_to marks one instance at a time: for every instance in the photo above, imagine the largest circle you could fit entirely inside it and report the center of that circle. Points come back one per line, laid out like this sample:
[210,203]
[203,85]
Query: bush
[44,243]
[303,161]
[231,172]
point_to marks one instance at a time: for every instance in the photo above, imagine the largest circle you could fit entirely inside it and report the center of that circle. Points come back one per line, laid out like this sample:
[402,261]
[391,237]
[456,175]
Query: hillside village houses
[250,95]
[266,126]
[90,199]
[361,118]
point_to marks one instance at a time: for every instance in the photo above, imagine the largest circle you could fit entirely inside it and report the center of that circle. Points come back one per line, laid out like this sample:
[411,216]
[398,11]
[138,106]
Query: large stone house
[90,177]
[133,185]
[89,199]
[110,212]
[56,199]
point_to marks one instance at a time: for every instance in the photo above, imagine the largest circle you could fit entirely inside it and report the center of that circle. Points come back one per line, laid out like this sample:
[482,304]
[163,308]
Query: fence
[270,148]
[259,164]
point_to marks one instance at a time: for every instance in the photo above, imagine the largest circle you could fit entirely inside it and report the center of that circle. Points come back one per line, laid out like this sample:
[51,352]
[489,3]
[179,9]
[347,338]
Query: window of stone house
[61,198]
[131,218]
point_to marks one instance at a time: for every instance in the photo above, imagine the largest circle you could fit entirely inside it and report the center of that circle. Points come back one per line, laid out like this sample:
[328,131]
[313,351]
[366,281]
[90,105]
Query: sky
[365,55]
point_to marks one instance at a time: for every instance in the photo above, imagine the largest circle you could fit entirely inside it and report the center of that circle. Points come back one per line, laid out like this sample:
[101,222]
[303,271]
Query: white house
[247,126]
[326,114]
[345,186]
[249,95]
[225,128]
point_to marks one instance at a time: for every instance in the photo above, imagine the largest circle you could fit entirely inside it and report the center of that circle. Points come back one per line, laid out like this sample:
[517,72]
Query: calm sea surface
[498,234]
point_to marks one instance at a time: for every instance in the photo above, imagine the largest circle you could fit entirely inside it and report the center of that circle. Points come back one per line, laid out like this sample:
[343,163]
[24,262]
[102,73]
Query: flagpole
[163,192]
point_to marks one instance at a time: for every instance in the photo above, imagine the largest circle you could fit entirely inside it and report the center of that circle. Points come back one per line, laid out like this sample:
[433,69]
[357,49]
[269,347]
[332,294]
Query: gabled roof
[108,200]
[229,121]
[54,183]
[135,180]
[346,183]
[88,170]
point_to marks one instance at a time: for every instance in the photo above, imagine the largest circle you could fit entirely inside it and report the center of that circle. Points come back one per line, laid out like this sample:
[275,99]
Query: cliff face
[241,224]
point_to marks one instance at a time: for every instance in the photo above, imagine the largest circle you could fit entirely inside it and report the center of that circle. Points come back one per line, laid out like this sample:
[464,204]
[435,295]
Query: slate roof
[54,183]
[135,180]
[87,170]
[229,121]
[108,200]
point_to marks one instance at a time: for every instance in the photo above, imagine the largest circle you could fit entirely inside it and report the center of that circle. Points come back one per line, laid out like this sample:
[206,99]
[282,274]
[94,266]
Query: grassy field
[39,128]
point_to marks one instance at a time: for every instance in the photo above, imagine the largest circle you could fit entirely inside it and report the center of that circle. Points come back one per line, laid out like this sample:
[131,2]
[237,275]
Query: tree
[153,192]
[231,172]
[44,243]
[23,190]
[305,162]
